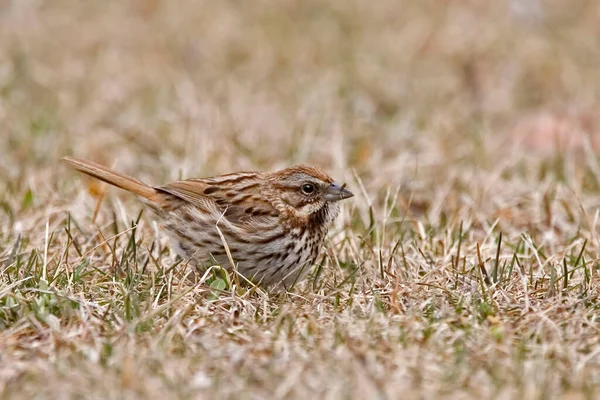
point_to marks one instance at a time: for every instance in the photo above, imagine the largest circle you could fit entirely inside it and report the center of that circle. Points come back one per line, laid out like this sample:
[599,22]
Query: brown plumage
[273,223]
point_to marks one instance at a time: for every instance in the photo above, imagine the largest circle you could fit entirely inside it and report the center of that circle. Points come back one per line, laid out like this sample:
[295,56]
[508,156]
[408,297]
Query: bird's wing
[241,203]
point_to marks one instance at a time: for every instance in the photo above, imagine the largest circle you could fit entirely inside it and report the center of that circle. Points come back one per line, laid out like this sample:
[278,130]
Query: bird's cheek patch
[293,199]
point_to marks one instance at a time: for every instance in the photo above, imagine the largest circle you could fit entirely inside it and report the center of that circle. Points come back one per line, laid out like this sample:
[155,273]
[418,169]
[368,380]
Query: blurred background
[388,89]
[469,131]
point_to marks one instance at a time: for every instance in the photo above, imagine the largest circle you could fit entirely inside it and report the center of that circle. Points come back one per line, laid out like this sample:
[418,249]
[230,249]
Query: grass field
[466,266]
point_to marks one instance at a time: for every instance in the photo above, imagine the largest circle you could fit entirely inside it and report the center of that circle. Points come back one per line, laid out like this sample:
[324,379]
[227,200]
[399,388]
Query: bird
[268,226]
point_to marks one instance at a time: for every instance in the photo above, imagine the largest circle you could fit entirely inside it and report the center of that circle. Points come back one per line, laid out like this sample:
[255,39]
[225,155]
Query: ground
[466,266]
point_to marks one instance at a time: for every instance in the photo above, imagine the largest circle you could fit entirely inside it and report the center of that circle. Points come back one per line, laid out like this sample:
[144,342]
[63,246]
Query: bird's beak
[337,192]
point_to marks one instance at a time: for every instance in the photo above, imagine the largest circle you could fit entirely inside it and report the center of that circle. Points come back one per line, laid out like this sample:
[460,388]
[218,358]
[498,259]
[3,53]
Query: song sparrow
[273,224]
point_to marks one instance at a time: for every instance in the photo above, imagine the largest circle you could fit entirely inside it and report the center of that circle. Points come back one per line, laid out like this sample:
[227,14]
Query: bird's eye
[308,188]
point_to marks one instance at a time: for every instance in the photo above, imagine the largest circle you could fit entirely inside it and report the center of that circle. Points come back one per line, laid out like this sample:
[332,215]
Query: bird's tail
[114,178]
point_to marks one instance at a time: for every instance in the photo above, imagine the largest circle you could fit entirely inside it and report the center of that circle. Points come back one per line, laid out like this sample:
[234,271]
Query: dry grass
[466,266]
